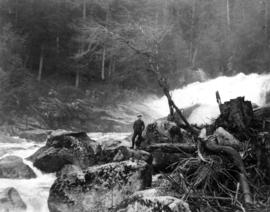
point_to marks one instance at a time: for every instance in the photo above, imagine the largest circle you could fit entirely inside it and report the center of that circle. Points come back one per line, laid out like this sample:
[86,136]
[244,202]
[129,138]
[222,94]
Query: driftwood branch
[162,81]
[172,148]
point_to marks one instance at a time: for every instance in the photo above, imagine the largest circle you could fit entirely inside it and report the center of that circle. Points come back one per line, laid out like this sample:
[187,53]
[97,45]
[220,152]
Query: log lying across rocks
[172,148]
[239,135]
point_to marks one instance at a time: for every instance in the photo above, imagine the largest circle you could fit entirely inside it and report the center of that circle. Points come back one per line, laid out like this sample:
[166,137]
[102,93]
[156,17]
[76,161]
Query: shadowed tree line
[91,47]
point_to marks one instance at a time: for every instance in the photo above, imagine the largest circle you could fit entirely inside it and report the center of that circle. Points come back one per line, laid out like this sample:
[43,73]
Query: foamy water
[35,192]
[254,87]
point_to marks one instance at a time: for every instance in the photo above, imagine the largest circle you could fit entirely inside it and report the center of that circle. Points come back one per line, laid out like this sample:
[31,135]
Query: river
[254,87]
[35,192]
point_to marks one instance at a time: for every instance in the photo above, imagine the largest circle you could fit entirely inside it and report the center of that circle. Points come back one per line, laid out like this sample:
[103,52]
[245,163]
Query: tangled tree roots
[213,185]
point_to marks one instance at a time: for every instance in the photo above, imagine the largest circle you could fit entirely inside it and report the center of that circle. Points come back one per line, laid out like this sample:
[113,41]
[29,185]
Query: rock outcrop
[10,200]
[13,167]
[98,188]
[66,148]
[122,153]
[7,139]
[158,132]
[37,135]
[152,200]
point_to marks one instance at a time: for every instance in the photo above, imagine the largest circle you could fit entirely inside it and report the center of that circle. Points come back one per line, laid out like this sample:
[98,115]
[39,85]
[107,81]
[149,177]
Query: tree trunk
[236,116]
[172,148]
[194,57]
[113,66]
[190,52]
[193,48]
[16,13]
[238,162]
[26,60]
[172,107]
[165,12]
[104,46]
[81,46]
[57,43]
[84,10]
[177,52]
[110,68]
[77,80]
[245,188]
[40,69]
[103,64]
[243,13]
[266,20]
[228,15]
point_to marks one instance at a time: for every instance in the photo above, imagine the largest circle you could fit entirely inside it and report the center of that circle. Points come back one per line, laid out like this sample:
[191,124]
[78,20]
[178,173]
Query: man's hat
[139,115]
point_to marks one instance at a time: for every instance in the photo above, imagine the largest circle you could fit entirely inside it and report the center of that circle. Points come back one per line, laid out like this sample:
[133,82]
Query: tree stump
[236,116]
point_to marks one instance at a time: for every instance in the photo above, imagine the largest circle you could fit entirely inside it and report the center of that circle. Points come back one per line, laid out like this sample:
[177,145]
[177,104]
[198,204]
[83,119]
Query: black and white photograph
[134,105]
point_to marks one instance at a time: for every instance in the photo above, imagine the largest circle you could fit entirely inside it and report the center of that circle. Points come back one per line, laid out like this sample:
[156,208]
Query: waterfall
[201,95]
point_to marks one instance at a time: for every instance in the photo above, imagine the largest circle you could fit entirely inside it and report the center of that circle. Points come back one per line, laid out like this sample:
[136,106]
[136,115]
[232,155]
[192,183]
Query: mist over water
[253,87]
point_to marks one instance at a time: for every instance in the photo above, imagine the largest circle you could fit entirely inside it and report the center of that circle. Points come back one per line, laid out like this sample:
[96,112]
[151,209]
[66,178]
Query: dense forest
[60,57]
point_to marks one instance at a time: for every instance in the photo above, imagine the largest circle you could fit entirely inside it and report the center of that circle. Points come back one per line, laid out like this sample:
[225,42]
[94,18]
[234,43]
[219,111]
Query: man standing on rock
[138,128]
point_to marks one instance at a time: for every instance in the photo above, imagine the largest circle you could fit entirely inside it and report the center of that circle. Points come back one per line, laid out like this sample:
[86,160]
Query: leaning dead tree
[206,145]
[209,145]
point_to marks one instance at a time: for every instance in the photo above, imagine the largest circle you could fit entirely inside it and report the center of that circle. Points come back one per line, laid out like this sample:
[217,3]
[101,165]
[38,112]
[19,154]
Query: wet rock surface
[37,135]
[158,132]
[7,139]
[98,188]
[65,148]
[14,168]
[152,200]
[122,153]
[11,201]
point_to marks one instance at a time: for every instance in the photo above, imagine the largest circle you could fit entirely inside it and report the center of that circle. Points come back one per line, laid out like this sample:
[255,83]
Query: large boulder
[13,167]
[98,188]
[38,135]
[122,153]
[7,139]
[10,200]
[158,132]
[152,200]
[66,148]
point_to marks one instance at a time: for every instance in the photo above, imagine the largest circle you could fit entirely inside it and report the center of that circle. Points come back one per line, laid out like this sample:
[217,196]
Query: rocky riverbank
[174,170]
[98,176]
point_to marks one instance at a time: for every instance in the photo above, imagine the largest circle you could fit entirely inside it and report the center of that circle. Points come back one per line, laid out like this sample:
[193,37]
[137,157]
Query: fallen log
[172,148]
[214,148]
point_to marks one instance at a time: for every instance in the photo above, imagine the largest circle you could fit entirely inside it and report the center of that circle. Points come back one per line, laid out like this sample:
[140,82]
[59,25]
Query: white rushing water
[35,192]
[254,87]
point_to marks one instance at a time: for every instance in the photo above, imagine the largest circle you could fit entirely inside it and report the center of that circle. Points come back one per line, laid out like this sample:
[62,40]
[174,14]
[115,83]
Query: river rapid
[34,192]
[200,95]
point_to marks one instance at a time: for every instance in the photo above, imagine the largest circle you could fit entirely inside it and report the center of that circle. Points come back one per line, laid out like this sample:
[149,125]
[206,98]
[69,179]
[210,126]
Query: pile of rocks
[93,177]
